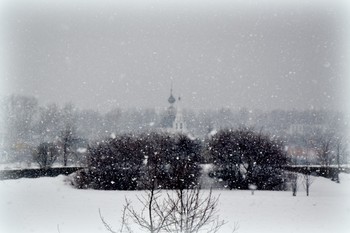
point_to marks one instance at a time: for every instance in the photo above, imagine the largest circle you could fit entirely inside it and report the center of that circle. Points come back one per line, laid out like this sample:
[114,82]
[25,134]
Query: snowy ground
[46,204]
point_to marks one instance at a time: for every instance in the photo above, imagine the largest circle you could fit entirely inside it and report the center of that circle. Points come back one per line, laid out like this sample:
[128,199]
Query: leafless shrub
[125,227]
[182,211]
[191,211]
[45,154]
[154,214]
[107,226]
[307,182]
[294,183]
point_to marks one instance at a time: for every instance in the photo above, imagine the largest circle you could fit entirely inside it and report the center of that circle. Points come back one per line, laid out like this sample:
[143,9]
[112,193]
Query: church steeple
[179,125]
[171,98]
[169,117]
[173,120]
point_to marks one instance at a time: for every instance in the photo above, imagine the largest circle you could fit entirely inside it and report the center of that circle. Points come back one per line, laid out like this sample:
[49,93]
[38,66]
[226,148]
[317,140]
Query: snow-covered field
[51,205]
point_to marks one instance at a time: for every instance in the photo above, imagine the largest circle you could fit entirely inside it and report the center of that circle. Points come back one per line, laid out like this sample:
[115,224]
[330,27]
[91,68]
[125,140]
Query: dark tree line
[164,161]
[145,161]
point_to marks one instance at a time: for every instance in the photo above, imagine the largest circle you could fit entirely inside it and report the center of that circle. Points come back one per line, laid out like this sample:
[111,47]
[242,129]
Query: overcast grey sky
[105,54]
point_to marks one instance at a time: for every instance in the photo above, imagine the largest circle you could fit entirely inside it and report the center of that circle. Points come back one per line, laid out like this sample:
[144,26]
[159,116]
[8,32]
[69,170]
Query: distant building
[301,155]
[305,128]
[179,124]
[173,120]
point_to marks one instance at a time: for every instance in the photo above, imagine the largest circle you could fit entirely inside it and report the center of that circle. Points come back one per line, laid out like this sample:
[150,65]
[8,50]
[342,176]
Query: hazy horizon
[258,55]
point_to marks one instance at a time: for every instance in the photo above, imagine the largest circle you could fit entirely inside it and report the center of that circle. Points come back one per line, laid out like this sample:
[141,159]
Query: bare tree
[154,215]
[294,183]
[340,153]
[330,149]
[182,211]
[66,140]
[17,114]
[45,154]
[191,211]
[68,132]
[307,182]
[125,227]
[307,179]
[324,149]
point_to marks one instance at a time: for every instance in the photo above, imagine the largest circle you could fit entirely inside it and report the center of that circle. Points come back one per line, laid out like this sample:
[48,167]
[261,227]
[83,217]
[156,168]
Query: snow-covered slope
[51,205]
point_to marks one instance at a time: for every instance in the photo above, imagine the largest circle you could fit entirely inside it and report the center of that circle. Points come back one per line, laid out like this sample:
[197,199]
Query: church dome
[171,99]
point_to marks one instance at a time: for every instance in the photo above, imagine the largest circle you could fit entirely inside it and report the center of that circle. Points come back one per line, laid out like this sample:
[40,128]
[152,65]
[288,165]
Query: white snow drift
[51,205]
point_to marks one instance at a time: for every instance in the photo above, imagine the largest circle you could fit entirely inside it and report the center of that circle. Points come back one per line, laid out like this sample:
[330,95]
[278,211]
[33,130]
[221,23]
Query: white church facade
[174,122]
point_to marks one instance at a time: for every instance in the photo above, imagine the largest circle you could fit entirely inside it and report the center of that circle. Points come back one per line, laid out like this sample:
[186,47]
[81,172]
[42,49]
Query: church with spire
[173,120]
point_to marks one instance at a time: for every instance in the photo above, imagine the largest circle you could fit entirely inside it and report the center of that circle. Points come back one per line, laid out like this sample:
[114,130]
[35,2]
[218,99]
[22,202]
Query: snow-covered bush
[112,164]
[131,162]
[244,157]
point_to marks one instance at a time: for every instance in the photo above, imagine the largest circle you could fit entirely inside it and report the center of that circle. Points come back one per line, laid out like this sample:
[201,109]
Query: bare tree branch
[107,226]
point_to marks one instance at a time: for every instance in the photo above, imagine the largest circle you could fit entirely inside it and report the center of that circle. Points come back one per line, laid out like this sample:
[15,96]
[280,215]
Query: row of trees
[47,153]
[241,157]
[24,125]
[26,128]
[330,148]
